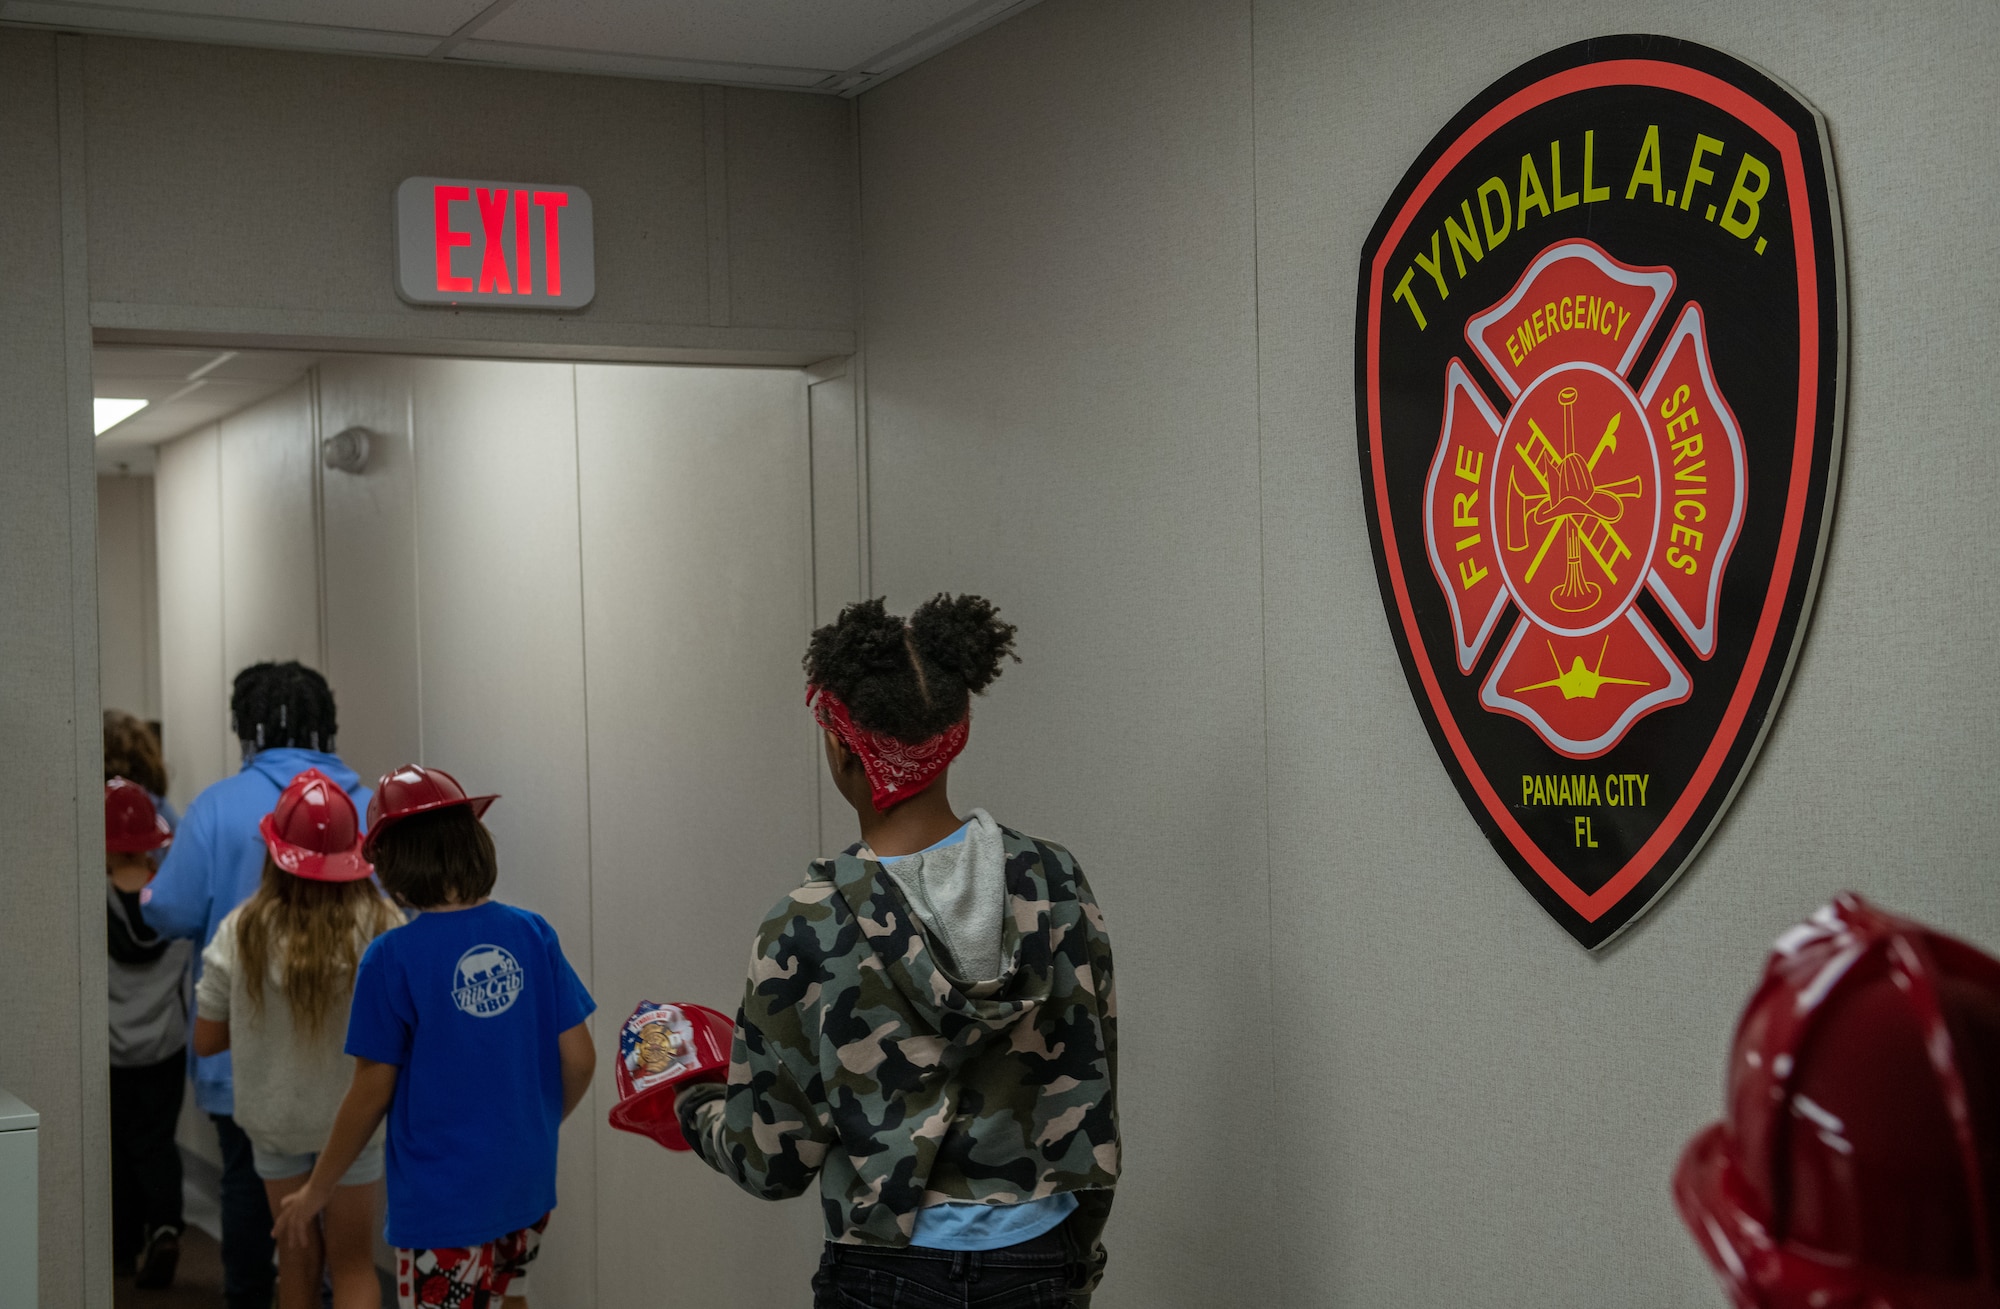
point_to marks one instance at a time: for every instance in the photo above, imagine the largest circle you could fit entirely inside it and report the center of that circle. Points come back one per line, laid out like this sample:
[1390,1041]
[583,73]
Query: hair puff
[914,679]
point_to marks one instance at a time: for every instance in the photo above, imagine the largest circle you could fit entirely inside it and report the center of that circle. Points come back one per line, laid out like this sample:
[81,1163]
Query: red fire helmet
[1858,1164]
[314,832]
[415,789]
[661,1048]
[132,825]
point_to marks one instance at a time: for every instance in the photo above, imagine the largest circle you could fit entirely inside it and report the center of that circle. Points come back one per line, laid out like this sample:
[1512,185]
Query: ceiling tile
[629,65]
[153,362]
[262,366]
[834,46]
[181,403]
[430,17]
[823,34]
[213,29]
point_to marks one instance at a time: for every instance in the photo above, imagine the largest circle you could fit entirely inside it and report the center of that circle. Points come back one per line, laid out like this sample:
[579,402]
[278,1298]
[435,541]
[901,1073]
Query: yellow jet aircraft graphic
[1580,683]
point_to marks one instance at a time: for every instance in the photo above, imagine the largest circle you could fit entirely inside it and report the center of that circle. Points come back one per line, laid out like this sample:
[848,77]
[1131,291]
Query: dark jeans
[1031,1275]
[145,1162]
[247,1249]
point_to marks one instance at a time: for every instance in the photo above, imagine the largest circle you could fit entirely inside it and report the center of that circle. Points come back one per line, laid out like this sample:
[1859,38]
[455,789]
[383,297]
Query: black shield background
[1751,306]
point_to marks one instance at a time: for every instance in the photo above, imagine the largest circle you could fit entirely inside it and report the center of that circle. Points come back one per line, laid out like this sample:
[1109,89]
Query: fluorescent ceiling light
[110,413]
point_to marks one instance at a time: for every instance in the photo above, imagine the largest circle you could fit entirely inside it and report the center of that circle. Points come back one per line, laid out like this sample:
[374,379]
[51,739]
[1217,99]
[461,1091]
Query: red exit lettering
[448,239]
[492,205]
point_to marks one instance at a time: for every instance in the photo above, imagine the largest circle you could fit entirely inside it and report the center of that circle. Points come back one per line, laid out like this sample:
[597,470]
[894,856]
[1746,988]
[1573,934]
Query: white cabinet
[19,1128]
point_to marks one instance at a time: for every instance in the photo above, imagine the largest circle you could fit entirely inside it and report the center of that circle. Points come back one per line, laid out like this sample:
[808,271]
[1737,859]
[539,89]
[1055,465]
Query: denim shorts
[275,1165]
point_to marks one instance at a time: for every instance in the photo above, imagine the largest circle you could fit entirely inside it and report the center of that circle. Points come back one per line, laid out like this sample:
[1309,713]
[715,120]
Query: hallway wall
[694,497]
[194,697]
[238,569]
[51,783]
[128,638]
[1109,254]
[723,216]
[584,588]
[1059,274]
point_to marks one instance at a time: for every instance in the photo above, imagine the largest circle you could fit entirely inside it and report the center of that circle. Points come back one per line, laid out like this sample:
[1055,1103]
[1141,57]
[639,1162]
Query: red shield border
[1796,132]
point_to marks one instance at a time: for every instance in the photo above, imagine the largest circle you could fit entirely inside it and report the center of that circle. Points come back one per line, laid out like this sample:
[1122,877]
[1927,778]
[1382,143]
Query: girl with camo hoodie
[929,1024]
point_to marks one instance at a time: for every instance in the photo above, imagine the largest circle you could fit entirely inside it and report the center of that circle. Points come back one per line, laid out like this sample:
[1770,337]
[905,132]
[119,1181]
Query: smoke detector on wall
[346,451]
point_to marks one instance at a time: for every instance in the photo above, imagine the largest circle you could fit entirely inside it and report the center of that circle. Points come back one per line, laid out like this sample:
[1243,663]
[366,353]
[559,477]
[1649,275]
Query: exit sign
[500,245]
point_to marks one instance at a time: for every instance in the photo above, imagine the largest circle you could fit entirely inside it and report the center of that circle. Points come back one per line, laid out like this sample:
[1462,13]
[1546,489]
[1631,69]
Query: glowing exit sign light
[497,245]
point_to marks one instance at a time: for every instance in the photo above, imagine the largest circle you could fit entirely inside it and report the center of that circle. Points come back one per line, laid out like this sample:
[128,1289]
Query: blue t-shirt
[468,1004]
[954,1225]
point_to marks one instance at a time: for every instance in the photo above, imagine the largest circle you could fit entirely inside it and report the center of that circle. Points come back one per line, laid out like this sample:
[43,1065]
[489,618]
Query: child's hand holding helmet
[661,1048]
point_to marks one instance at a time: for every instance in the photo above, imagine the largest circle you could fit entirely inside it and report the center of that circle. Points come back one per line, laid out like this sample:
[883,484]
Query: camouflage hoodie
[860,1055]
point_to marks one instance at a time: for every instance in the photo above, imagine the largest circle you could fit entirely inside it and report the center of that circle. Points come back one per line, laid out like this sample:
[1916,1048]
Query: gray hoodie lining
[959,896]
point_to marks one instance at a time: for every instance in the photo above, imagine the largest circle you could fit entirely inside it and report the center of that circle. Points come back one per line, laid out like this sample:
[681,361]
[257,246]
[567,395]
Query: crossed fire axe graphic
[1569,498]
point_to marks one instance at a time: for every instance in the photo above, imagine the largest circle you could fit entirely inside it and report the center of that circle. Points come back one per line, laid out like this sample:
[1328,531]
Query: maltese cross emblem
[1583,493]
[1600,357]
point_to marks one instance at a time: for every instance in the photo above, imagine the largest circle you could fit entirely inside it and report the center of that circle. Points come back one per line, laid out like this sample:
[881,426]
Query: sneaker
[156,1265]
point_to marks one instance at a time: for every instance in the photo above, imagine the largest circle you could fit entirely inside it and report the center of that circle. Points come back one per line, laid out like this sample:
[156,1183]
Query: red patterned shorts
[474,1278]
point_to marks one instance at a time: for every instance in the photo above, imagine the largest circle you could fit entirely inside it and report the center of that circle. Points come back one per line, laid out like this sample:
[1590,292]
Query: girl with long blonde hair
[276,984]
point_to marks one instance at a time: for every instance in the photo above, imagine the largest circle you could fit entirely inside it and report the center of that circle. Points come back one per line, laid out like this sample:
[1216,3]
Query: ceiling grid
[832,47]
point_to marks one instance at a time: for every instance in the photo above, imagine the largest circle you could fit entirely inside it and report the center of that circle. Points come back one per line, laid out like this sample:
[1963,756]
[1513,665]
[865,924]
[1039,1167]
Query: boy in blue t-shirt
[467,1030]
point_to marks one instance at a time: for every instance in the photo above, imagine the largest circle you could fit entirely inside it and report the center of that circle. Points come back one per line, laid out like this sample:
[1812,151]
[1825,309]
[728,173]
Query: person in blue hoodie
[284,716]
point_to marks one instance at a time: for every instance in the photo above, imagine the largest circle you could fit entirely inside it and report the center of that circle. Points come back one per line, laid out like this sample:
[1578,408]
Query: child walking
[275,987]
[148,1003]
[132,752]
[929,1023]
[468,1033]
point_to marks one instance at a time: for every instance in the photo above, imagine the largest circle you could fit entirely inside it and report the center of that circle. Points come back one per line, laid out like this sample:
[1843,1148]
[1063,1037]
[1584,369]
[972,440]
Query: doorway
[583,586]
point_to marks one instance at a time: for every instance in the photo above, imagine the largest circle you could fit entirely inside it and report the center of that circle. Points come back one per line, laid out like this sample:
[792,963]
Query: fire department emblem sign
[1600,372]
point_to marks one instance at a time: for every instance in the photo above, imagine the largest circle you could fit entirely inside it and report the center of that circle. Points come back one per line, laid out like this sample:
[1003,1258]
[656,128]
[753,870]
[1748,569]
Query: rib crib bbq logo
[1599,362]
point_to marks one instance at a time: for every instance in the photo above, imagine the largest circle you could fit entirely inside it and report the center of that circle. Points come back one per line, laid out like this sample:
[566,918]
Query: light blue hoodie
[216,862]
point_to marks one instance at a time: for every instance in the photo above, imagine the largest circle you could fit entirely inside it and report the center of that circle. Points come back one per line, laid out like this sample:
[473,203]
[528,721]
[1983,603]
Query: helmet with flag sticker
[1858,1162]
[661,1048]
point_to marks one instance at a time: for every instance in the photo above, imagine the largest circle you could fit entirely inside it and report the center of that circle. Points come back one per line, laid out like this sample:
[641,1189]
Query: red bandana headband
[896,769]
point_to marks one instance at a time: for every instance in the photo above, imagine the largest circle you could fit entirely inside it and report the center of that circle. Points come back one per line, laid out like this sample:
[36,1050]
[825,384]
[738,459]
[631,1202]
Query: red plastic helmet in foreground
[314,833]
[132,823]
[415,789]
[661,1048]
[1858,1166]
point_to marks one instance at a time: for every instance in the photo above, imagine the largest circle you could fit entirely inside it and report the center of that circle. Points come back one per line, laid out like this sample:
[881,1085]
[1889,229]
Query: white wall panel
[1476,1055]
[194,689]
[1058,269]
[697,567]
[369,548]
[128,611]
[500,636]
[789,182]
[839,507]
[839,544]
[270,532]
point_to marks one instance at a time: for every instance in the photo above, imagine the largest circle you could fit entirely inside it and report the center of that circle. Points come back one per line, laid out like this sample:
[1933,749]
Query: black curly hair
[284,704]
[910,680]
